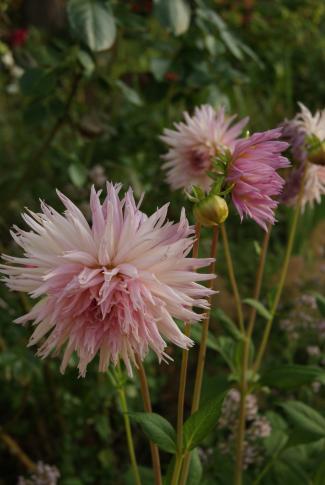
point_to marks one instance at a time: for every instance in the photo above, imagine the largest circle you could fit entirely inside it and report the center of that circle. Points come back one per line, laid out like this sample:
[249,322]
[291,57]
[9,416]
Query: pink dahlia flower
[112,288]
[253,171]
[306,135]
[195,143]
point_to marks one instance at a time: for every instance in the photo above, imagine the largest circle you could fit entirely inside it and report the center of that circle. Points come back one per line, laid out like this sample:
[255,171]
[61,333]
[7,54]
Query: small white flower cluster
[43,475]
[257,428]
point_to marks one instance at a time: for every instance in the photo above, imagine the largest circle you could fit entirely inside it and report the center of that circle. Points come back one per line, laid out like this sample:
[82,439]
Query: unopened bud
[211,211]
[316,154]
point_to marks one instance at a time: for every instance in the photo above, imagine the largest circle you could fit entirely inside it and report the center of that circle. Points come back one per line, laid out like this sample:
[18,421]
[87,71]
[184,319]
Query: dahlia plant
[116,286]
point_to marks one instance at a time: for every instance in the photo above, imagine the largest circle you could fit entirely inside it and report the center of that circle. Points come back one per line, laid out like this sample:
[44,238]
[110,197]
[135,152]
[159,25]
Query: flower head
[253,171]
[306,135]
[195,143]
[112,288]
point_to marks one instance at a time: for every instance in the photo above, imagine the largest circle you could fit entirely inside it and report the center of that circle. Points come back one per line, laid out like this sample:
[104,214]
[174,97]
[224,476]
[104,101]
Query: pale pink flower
[114,288]
[195,143]
[301,132]
[253,171]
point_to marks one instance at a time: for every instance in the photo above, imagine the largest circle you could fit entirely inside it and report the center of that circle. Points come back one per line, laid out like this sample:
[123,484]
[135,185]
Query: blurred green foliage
[86,97]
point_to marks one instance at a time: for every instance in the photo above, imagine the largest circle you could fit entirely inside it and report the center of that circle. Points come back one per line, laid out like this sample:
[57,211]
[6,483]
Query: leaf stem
[118,383]
[283,275]
[202,353]
[148,408]
[183,375]
[240,435]
[232,277]
[16,450]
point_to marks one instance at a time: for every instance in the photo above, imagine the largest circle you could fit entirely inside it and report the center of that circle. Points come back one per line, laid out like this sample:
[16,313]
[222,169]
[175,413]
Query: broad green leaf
[292,376]
[157,429]
[159,67]
[320,300]
[173,14]
[199,425]
[305,417]
[259,307]
[87,62]
[92,22]
[195,470]
[275,442]
[129,93]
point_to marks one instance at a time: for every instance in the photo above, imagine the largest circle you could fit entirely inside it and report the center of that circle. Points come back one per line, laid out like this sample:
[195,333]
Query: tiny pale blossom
[253,171]
[113,288]
[195,142]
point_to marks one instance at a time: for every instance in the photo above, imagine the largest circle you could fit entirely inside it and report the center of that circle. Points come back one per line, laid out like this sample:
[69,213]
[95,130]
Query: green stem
[117,381]
[283,275]
[148,408]
[202,354]
[177,468]
[183,375]
[245,364]
[232,278]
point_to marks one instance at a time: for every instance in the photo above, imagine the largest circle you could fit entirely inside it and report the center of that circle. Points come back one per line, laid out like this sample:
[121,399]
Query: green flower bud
[316,154]
[211,211]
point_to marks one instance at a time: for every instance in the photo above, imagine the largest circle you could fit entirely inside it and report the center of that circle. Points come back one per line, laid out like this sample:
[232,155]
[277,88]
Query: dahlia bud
[211,211]
[316,154]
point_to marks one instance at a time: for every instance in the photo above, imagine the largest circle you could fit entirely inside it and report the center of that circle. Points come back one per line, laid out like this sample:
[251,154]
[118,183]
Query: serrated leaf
[292,376]
[157,429]
[305,417]
[199,425]
[92,22]
[259,307]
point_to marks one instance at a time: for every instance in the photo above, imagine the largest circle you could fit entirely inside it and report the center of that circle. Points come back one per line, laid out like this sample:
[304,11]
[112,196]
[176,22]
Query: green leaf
[320,300]
[78,174]
[199,425]
[159,67]
[173,14]
[87,62]
[212,341]
[292,376]
[92,22]
[259,307]
[227,323]
[37,82]
[319,478]
[157,429]
[305,417]
[195,470]
[129,93]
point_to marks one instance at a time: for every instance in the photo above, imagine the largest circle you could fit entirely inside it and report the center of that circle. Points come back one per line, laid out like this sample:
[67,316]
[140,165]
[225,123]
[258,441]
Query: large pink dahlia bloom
[195,143]
[112,288]
[253,171]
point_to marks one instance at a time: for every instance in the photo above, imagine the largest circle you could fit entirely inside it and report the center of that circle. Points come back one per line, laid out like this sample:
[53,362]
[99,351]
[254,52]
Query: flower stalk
[245,362]
[232,278]
[117,380]
[148,408]
[202,354]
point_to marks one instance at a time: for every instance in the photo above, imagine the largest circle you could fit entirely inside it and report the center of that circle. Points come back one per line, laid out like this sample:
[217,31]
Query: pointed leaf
[292,376]
[305,417]
[259,307]
[157,429]
[199,425]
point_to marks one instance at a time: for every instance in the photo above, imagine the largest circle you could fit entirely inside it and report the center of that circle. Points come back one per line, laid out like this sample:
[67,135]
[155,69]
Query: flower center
[199,161]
